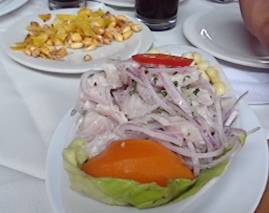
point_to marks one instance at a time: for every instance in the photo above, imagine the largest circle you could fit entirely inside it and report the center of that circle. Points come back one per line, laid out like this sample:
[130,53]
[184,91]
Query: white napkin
[32,103]
[22,193]
[26,145]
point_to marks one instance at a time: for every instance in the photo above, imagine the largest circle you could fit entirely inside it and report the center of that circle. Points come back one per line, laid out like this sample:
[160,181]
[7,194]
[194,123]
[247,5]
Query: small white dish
[223,194]
[74,63]
[7,6]
[221,32]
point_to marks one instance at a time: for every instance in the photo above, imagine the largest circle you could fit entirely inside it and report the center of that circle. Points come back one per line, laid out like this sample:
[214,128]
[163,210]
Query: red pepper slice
[162,59]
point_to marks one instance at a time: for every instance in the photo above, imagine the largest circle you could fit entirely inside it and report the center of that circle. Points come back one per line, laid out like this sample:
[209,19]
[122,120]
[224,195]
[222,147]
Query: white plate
[222,33]
[122,3]
[139,42]
[118,3]
[8,6]
[227,193]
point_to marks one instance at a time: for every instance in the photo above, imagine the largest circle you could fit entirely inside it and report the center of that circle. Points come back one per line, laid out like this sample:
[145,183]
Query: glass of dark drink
[62,4]
[157,14]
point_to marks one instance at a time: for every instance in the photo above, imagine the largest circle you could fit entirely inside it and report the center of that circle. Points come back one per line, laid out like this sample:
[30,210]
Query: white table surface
[33,103]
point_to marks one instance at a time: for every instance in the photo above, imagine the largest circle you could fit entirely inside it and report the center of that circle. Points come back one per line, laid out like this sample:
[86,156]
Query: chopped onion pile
[173,106]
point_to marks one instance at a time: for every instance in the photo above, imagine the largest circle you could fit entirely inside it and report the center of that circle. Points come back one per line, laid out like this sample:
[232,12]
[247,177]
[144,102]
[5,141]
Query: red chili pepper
[162,59]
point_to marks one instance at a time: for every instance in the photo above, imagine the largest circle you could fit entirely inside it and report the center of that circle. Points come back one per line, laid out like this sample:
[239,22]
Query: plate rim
[13,6]
[194,38]
[127,4]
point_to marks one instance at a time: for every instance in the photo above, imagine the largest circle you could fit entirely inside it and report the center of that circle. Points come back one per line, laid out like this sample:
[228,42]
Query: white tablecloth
[32,104]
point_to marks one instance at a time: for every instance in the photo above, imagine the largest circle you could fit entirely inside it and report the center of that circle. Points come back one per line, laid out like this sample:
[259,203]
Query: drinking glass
[157,14]
[61,4]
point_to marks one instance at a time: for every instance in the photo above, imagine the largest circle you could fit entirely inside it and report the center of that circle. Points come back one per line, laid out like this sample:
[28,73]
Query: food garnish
[176,107]
[86,30]
[162,59]
[141,160]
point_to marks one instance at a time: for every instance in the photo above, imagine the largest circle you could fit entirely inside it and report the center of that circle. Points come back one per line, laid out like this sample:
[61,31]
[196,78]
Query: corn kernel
[122,18]
[91,47]
[196,57]
[213,74]
[76,37]
[203,65]
[205,76]
[108,34]
[98,30]
[126,35]
[126,28]
[220,88]
[118,37]
[87,57]
[34,24]
[112,25]
[87,41]
[136,27]
[76,45]
[106,41]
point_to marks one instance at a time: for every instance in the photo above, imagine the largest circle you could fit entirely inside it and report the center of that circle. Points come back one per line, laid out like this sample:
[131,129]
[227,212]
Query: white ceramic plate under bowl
[73,62]
[222,33]
[230,192]
[7,6]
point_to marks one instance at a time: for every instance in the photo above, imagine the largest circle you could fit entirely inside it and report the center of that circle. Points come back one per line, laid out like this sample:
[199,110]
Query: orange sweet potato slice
[141,160]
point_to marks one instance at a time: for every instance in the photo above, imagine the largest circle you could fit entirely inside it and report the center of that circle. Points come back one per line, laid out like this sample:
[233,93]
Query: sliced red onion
[199,130]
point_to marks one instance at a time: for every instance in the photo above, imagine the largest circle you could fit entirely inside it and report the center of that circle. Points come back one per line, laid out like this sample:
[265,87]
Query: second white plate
[222,33]
[8,6]
[122,3]
[119,3]
[74,63]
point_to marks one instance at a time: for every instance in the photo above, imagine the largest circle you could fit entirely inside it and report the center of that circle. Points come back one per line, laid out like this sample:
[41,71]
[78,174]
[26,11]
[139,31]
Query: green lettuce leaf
[116,191]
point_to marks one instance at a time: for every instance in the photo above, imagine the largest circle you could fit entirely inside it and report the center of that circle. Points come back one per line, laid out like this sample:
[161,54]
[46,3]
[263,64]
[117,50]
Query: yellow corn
[136,27]
[108,34]
[98,30]
[106,41]
[196,57]
[205,76]
[118,37]
[87,41]
[87,57]
[91,47]
[34,24]
[126,28]
[112,25]
[76,37]
[76,45]
[121,18]
[75,31]
[213,74]
[203,65]
[126,35]
[219,88]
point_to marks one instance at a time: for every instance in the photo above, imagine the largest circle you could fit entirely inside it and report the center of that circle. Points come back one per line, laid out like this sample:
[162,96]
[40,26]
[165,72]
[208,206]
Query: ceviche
[151,100]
